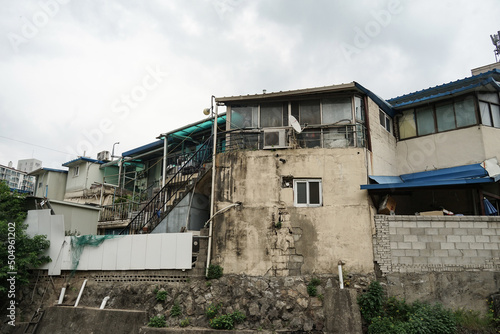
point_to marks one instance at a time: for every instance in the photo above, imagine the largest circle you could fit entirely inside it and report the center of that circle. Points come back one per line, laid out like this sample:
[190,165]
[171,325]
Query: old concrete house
[310,197]
[302,211]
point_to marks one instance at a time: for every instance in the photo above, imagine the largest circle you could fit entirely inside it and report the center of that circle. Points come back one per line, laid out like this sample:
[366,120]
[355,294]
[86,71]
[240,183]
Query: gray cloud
[69,74]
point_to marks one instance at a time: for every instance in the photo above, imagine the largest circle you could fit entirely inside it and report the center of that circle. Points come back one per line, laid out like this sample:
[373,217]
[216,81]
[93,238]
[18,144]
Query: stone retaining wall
[415,244]
[269,303]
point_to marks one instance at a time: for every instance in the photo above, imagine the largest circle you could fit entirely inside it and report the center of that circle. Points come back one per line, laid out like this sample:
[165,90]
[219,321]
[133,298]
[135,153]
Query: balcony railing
[118,211]
[337,136]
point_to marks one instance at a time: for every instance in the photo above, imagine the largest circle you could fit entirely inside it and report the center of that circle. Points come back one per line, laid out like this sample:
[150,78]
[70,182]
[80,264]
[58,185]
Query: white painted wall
[129,252]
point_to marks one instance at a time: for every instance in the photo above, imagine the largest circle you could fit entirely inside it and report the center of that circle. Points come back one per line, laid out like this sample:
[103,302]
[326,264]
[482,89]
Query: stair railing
[172,192]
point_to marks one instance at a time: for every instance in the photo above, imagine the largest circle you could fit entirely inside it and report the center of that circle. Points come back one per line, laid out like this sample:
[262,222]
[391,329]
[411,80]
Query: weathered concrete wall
[311,239]
[454,289]
[491,138]
[382,157]
[446,149]
[81,320]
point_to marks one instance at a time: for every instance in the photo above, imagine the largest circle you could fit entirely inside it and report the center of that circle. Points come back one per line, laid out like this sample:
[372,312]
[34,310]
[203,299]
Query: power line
[47,148]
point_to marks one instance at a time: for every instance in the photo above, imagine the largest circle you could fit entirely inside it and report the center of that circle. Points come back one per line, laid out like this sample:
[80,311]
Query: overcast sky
[79,76]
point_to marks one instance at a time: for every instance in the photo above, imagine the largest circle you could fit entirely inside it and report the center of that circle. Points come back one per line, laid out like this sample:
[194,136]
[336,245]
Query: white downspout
[104,301]
[341,278]
[61,296]
[212,196]
[165,143]
[80,294]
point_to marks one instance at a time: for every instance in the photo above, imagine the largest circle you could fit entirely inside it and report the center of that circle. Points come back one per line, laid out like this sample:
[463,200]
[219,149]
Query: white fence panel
[153,251]
[124,251]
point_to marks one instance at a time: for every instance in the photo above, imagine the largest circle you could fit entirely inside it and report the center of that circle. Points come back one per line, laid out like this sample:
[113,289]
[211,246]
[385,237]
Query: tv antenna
[495,39]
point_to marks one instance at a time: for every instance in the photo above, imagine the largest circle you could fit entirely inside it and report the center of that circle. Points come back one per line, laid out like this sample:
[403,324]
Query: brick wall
[436,243]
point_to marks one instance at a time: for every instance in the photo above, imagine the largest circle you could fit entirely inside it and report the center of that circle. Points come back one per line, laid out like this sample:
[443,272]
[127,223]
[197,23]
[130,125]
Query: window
[307,192]
[337,110]
[385,121]
[76,171]
[271,115]
[359,110]
[244,117]
[443,116]
[307,112]
[425,121]
[489,108]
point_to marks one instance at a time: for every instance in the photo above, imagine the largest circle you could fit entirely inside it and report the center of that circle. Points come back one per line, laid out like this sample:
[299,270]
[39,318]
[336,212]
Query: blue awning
[460,175]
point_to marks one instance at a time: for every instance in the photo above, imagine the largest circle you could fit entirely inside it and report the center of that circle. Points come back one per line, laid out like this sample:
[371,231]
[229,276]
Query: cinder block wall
[407,244]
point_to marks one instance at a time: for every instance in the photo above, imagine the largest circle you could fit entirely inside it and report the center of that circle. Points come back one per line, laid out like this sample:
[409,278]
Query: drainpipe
[61,296]
[212,195]
[80,294]
[104,301]
[341,278]
[165,143]
[210,233]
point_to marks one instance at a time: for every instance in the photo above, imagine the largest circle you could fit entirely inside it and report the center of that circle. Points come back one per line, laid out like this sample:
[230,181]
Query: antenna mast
[495,39]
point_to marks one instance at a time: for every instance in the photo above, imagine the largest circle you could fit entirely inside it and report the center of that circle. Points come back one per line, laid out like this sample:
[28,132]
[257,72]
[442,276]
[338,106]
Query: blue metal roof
[45,169]
[460,175]
[378,100]
[459,86]
[67,164]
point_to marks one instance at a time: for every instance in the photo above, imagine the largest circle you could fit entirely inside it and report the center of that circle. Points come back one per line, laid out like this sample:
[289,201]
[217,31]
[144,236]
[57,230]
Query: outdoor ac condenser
[275,138]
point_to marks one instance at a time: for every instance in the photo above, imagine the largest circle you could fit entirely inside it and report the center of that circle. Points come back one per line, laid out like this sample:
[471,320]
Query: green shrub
[161,295]
[311,287]
[212,310]
[315,281]
[214,271]
[227,321]
[184,322]
[312,290]
[370,303]
[175,311]
[238,317]
[157,321]
[396,316]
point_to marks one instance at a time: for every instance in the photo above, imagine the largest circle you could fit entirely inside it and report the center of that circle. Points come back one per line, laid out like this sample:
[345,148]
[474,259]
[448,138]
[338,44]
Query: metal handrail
[172,192]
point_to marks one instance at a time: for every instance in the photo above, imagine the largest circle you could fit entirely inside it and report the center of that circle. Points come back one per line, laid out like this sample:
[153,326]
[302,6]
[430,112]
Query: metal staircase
[174,190]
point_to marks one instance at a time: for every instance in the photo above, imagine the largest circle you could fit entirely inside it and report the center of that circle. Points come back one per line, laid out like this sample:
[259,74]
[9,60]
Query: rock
[280,304]
[308,325]
[277,324]
[253,309]
[296,323]
[303,302]
[302,289]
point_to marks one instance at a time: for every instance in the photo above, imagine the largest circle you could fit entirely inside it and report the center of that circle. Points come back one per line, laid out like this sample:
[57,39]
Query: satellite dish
[295,124]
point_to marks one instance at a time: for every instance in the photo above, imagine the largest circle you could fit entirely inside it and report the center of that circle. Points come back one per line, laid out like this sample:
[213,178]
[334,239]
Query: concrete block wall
[436,243]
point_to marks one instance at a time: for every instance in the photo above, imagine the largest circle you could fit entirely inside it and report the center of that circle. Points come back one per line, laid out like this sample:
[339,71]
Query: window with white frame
[307,192]
[385,121]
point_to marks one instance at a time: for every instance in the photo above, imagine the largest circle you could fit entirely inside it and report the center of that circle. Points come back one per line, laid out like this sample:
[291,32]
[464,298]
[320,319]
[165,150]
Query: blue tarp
[467,174]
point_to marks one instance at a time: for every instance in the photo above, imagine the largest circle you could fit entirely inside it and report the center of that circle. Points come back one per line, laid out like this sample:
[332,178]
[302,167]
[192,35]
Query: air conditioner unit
[274,138]
[103,156]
